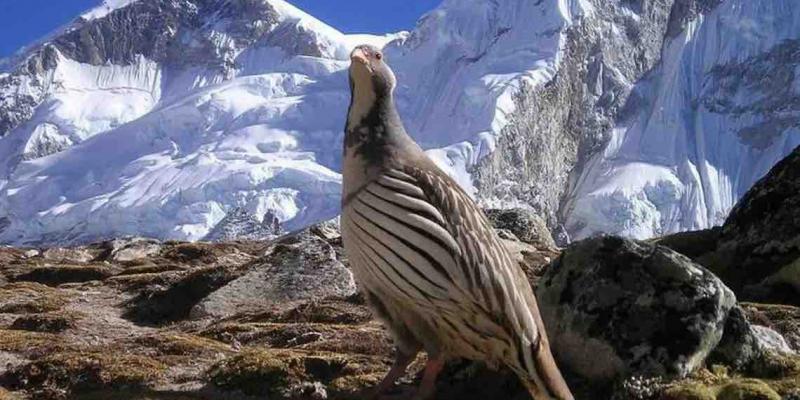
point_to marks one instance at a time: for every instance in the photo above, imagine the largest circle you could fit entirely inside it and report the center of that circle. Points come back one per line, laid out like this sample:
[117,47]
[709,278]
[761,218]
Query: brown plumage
[426,257]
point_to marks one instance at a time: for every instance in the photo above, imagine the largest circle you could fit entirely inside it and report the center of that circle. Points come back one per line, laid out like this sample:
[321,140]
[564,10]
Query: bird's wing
[438,246]
[488,273]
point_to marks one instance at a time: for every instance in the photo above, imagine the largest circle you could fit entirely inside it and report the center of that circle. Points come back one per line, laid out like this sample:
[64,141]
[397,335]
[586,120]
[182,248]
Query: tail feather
[541,375]
[547,382]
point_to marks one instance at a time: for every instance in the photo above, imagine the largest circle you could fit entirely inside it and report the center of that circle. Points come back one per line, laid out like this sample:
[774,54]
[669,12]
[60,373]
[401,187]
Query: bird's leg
[428,386]
[401,362]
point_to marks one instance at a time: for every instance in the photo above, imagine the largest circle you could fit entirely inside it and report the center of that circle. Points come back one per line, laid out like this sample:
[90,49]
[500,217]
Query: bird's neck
[373,128]
[374,139]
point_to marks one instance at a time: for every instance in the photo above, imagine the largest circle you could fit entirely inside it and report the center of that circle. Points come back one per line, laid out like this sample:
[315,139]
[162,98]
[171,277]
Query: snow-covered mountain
[160,117]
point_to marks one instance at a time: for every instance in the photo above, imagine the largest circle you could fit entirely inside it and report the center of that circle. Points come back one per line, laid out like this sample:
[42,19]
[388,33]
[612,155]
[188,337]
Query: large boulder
[132,248]
[758,254]
[615,307]
[297,267]
[526,225]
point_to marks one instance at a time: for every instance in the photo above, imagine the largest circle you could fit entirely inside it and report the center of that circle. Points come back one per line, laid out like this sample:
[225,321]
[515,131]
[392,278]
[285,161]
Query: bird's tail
[546,381]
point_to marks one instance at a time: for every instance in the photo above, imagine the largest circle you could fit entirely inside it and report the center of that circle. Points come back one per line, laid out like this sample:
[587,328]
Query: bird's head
[370,76]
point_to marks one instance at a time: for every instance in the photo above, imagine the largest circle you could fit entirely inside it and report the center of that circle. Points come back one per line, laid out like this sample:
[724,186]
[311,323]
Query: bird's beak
[358,56]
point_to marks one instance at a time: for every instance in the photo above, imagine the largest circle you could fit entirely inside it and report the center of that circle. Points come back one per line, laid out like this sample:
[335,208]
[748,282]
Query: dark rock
[175,302]
[51,322]
[739,345]
[56,275]
[693,244]
[616,307]
[758,254]
[524,224]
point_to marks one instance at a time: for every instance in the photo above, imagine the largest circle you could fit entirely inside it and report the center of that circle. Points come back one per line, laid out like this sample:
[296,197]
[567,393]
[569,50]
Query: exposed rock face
[699,129]
[524,224]
[615,307]
[557,127]
[758,253]
[241,224]
[299,267]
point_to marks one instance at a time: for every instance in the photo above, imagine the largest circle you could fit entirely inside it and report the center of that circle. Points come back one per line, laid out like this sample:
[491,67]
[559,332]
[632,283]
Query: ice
[686,158]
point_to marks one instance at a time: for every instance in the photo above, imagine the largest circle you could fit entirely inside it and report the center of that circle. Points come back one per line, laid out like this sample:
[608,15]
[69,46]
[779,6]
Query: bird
[430,265]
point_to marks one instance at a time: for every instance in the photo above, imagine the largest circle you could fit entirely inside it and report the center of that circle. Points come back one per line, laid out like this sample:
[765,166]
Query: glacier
[718,112]
[159,118]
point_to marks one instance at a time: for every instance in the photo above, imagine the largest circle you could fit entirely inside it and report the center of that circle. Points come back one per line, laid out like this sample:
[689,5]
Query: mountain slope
[204,108]
[722,107]
[159,117]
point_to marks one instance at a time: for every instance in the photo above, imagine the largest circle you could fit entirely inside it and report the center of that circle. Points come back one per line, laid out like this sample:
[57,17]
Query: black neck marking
[377,133]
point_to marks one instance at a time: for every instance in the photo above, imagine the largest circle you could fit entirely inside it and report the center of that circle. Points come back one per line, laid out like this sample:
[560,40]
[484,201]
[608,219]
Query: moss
[367,339]
[48,322]
[181,344]
[690,391]
[270,372]
[781,372]
[134,282]
[29,297]
[76,371]
[749,389]
[254,372]
[29,342]
[772,376]
[326,311]
[150,268]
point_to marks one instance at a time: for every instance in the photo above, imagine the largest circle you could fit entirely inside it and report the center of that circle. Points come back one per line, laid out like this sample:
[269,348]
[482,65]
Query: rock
[176,301]
[300,266]
[616,307]
[744,344]
[781,318]
[60,254]
[770,341]
[693,244]
[240,224]
[739,346]
[58,274]
[327,229]
[31,253]
[759,249]
[135,248]
[524,224]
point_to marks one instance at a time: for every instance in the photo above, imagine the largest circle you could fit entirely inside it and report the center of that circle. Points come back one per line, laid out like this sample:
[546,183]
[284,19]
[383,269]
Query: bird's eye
[378,56]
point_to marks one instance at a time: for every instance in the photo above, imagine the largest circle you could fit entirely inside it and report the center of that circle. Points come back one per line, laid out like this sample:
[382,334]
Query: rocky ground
[141,319]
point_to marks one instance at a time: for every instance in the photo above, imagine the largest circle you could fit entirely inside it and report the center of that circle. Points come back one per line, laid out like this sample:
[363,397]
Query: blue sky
[23,21]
